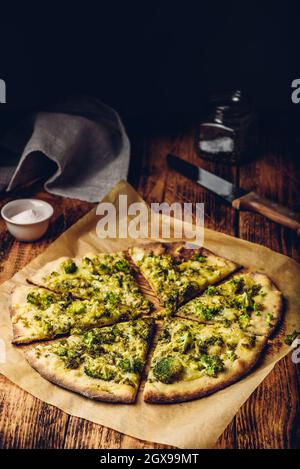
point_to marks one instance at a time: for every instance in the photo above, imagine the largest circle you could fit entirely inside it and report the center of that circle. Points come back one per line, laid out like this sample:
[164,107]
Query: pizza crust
[161,393]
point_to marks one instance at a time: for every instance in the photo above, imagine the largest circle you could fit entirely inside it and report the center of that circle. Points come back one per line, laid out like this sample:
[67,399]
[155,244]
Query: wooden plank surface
[270,417]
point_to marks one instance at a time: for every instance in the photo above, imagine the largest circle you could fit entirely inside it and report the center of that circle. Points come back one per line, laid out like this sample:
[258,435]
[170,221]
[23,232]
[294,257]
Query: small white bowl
[27,231]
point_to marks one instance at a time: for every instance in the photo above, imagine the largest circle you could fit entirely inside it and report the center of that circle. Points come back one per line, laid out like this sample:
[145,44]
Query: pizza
[103,363]
[177,273]
[96,330]
[249,299]
[193,360]
[39,314]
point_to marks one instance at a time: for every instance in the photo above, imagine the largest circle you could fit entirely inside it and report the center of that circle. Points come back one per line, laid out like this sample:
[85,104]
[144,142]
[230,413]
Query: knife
[236,197]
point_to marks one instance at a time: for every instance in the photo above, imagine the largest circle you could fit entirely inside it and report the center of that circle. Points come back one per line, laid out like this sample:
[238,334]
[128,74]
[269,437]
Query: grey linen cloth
[79,147]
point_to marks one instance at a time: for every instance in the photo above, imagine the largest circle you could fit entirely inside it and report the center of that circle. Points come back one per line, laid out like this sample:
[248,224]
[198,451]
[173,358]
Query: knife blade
[204,178]
[238,198]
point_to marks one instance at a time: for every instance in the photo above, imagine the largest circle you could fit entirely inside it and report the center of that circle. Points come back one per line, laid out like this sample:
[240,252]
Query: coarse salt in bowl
[27,219]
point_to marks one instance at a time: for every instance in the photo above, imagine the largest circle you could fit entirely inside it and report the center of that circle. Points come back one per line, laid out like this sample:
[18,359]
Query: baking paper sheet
[195,424]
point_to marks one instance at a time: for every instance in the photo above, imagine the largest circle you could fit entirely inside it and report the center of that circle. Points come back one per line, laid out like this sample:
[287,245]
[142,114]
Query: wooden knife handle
[253,202]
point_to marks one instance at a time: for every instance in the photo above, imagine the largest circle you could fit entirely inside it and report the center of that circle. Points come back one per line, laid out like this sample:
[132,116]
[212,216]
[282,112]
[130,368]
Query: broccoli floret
[41,300]
[207,312]
[112,298]
[255,289]
[211,290]
[69,266]
[214,340]
[213,364]
[103,372]
[165,334]
[231,355]
[122,266]
[131,365]
[95,337]
[244,321]
[167,369]
[72,356]
[185,341]
[199,258]
[238,284]
[77,307]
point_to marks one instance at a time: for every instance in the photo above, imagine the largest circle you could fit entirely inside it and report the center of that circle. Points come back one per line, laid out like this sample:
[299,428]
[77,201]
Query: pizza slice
[193,360]
[39,314]
[251,299]
[105,364]
[177,273]
[93,277]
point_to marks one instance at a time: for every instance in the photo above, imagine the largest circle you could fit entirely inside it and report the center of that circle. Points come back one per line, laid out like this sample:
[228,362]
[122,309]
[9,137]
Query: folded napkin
[79,147]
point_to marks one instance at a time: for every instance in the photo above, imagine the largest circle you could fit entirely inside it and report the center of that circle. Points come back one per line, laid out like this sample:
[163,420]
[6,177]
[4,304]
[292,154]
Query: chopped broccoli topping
[131,365]
[289,339]
[185,341]
[244,321]
[213,364]
[199,258]
[100,372]
[72,356]
[122,266]
[211,290]
[69,266]
[231,355]
[239,284]
[207,312]
[77,307]
[41,299]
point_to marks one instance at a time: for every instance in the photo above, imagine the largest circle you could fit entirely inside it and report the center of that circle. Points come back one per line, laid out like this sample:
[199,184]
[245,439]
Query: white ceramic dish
[27,230]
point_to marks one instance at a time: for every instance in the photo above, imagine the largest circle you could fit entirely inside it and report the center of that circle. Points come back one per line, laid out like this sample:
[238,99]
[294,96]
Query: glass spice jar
[228,134]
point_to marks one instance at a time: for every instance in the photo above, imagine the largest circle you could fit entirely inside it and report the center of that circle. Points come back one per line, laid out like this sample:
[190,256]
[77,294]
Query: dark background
[149,58]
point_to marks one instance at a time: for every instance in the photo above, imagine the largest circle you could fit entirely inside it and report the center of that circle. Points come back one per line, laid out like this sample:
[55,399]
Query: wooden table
[270,417]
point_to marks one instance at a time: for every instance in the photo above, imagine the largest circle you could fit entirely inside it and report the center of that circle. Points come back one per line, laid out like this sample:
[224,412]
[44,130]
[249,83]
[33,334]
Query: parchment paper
[195,424]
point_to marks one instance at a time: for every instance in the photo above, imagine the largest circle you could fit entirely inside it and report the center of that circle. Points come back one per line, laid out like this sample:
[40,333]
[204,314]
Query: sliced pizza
[39,314]
[93,276]
[177,273]
[251,299]
[193,360]
[105,364]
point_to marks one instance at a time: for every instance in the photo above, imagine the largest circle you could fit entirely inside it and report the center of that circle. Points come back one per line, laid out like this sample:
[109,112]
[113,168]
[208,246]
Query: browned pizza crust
[178,249]
[160,393]
[76,382]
